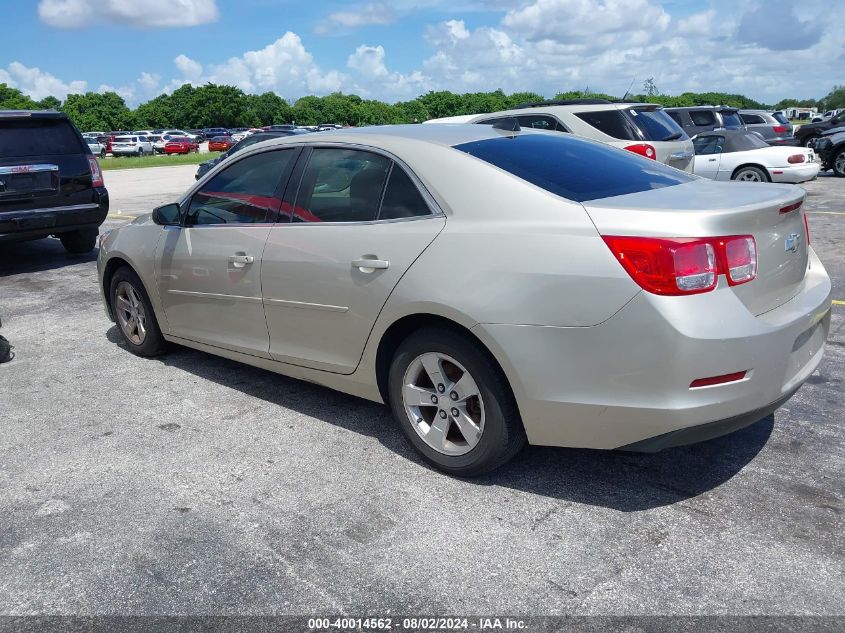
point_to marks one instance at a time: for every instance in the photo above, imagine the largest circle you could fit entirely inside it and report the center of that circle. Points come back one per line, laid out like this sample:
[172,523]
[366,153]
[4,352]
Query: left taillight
[96,173]
[796,158]
[643,149]
[685,266]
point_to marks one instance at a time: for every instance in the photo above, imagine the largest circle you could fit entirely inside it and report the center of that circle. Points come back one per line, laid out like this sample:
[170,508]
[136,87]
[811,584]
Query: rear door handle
[370,265]
[239,261]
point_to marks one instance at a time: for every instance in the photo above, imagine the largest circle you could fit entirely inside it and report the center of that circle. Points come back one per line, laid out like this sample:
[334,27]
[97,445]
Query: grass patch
[162,160]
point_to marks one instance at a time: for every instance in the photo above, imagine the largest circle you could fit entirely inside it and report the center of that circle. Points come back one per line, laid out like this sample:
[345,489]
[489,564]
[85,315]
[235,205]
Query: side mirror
[167,215]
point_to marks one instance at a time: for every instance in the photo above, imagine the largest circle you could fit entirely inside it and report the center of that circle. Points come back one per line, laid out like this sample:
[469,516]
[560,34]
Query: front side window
[705,145]
[702,117]
[341,185]
[676,117]
[243,193]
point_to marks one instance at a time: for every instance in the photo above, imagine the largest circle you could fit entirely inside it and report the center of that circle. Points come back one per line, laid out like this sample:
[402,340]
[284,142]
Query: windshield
[656,125]
[573,168]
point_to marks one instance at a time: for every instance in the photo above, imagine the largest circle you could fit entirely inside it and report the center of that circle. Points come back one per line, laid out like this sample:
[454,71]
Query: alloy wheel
[130,313]
[443,403]
[839,163]
[749,176]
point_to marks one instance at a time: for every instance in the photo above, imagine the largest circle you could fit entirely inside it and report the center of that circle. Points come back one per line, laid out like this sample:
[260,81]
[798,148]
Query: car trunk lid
[772,214]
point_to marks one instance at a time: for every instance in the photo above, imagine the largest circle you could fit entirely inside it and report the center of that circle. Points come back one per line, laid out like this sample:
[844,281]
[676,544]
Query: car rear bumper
[626,382]
[37,223]
[795,173]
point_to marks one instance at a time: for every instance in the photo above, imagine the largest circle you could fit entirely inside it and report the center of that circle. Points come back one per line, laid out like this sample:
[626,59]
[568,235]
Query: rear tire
[839,162]
[750,173]
[475,425]
[140,152]
[134,314]
[80,241]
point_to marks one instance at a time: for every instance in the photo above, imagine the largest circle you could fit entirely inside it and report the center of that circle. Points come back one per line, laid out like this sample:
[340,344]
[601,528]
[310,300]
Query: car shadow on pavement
[618,480]
[37,255]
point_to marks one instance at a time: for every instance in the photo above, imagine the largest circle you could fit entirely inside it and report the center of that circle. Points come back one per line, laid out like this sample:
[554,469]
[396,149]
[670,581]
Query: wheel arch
[114,264]
[755,165]
[405,326]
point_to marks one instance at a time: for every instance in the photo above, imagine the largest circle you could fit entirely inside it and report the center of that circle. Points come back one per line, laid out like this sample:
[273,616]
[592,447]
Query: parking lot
[192,484]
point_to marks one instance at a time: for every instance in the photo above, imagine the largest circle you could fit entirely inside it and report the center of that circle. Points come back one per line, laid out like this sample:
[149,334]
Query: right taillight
[684,266]
[96,173]
[643,149]
[780,129]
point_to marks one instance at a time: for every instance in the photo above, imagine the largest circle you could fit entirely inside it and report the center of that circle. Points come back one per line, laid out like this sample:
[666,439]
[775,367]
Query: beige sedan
[492,285]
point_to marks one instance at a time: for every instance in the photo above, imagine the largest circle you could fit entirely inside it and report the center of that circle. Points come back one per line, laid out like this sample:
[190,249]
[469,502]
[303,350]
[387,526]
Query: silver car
[493,287]
[773,127]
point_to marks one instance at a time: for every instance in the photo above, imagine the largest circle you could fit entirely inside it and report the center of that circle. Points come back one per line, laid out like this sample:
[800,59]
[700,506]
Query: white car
[641,128]
[193,137]
[131,146]
[97,148]
[741,155]
[143,132]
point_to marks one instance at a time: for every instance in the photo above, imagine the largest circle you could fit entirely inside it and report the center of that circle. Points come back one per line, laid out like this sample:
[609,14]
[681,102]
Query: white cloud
[368,60]
[135,13]
[149,81]
[373,79]
[37,83]
[369,14]
[191,70]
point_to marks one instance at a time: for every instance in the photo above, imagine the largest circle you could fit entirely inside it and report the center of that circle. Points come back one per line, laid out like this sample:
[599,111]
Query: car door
[357,221]
[209,271]
[708,155]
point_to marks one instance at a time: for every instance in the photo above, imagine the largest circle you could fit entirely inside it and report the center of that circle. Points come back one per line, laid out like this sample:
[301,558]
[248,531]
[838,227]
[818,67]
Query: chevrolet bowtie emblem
[791,243]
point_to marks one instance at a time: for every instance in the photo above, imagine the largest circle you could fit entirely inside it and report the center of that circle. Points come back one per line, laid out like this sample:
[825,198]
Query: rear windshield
[731,119]
[38,137]
[125,139]
[780,118]
[612,122]
[656,125]
[573,168]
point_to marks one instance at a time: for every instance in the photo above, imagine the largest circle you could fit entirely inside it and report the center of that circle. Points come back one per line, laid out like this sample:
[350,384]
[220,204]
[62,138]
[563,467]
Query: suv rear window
[573,168]
[611,122]
[38,137]
[656,125]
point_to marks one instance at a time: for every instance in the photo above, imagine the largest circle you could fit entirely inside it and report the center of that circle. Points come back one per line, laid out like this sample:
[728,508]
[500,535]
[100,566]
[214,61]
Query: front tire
[453,403]
[839,163]
[80,241]
[806,142]
[750,173]
[134,314]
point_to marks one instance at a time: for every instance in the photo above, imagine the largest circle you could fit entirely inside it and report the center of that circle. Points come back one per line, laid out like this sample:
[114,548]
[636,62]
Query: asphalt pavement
[192,484]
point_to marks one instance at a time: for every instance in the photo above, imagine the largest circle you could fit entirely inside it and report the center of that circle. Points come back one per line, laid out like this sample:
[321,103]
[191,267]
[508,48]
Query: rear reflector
[791,207]
[795,158]
[643,149]
[717,380]
[683,266]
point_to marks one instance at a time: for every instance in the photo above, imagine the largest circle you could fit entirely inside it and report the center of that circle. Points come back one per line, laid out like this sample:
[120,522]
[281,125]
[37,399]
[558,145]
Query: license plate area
[28,180]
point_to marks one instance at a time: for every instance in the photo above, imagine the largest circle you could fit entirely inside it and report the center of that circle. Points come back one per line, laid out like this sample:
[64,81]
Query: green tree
[14,99]
[99,111]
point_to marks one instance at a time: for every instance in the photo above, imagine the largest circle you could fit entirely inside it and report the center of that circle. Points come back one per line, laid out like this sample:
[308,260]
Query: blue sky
[400,49]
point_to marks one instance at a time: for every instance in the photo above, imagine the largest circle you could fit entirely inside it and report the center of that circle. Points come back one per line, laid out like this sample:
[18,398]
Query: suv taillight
[780,129]
[685,266]
[643,149]
[96,174]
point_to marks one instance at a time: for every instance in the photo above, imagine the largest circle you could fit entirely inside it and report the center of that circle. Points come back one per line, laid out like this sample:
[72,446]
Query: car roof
[32,114]
[387,136]
[719,108]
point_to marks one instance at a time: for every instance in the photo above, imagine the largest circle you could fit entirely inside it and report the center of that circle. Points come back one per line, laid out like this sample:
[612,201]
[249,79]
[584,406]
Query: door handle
[239,261]
[370,265]
[711,160]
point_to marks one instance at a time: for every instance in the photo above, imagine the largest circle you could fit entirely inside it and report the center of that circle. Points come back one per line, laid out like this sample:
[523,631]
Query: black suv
[50,182]
[810,131]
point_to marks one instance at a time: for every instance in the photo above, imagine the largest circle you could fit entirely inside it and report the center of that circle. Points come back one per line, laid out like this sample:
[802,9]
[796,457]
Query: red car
[220,144]
[180,145]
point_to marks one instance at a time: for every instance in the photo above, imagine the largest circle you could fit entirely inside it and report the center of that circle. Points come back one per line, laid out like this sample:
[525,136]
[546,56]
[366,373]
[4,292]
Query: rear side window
[702,117]
[676,117]
[780,118]
[402,199]
[731,119]
[341,185]
[656,125]
[611,122]
[38,137]
[244,193]
[540,122]
[751,119]
[574,168]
